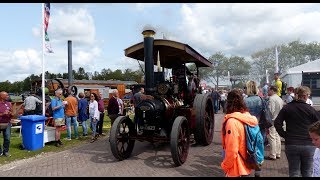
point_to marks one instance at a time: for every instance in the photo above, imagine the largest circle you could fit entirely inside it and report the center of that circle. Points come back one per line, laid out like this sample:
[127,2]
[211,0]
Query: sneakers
[6,154]
[92,140]
[103,134]
[68,139]
[85,135]
[57,144]
[59,141]
[270,158]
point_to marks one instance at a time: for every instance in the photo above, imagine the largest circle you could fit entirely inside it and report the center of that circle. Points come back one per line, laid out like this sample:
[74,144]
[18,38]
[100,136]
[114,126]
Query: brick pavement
[96,159]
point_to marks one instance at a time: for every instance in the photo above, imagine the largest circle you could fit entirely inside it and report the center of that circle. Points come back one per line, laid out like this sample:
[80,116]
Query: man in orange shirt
[71,113]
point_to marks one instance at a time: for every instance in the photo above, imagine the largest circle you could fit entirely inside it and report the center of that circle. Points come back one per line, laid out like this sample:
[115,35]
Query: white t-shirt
[316,163]
[121,105]
[309,102]
[223,97]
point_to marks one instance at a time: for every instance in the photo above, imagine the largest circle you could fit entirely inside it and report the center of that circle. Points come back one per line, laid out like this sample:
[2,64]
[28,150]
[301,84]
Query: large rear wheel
[204,119]
[180,140]
[120,142]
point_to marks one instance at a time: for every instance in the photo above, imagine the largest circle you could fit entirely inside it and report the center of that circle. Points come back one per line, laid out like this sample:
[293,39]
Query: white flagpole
[277,61]
[43,44]
[158,63]
[267,78]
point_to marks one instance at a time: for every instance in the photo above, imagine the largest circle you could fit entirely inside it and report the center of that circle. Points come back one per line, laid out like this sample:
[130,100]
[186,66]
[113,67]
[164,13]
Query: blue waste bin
[32,131]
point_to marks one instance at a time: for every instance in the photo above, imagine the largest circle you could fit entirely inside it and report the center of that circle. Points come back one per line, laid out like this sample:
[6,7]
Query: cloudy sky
[100,32]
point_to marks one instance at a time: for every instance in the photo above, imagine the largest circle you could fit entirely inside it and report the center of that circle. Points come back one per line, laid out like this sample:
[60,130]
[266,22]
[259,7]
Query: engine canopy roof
[171,53]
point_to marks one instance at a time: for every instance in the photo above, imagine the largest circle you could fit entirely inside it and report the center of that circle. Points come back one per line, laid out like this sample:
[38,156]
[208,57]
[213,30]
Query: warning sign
[39,128]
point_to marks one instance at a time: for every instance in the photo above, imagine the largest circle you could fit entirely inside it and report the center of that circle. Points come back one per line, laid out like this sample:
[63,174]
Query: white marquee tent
[293,76]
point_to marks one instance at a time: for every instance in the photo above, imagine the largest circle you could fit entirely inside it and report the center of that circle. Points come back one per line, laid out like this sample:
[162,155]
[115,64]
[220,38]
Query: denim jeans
[85,127]
[100,123]
[263,133]
[73,120]
[93,126]
[6,139]
[215,106]
[300,160]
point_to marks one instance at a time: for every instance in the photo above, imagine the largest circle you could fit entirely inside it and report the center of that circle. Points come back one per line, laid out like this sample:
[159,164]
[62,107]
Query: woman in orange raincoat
[233,135]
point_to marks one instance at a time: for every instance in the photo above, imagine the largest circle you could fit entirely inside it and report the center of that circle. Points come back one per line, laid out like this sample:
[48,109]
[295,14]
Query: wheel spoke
[121,144]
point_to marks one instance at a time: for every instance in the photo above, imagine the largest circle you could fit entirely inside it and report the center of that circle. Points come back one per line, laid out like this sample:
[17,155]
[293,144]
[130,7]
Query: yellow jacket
[278,83]
[234,142]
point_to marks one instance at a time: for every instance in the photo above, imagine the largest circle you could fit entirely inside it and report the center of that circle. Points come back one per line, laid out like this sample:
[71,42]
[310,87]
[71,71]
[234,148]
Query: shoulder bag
[265,116]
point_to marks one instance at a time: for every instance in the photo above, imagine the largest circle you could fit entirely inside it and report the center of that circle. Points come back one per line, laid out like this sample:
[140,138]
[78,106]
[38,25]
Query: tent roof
[312,66]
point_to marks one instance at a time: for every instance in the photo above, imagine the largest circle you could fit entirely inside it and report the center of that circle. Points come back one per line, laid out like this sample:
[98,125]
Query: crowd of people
[294,119]
[66,112]
[74,110]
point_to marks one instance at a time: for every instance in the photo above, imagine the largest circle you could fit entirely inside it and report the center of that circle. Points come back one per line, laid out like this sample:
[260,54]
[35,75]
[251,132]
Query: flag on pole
[163,37]
[277,61]
[46,17]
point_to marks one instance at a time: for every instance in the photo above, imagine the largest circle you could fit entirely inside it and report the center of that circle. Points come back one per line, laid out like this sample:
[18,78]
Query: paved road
[96,159]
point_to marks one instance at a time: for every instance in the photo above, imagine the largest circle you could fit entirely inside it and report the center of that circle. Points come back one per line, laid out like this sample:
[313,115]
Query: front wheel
[204,119]
[180,140]
[120,142]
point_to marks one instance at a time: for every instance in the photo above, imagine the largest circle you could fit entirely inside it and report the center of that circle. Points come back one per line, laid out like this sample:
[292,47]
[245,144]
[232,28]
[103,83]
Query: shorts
[59,122]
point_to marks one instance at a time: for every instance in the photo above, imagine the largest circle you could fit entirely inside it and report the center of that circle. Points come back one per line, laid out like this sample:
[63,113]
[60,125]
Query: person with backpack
[234,136]
[298,116]
[255,105]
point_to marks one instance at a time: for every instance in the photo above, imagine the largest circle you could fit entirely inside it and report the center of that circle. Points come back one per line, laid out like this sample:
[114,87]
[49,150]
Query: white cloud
[123,63]
[143,6]
[78,26]
[19,64]
[72,24]
[68,23]
[234,29]
[241,29]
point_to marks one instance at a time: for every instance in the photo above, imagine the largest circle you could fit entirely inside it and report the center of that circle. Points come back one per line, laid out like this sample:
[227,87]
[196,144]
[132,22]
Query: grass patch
[18,154]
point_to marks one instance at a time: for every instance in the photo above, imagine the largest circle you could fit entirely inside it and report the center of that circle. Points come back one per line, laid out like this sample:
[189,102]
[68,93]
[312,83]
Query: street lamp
[216,65]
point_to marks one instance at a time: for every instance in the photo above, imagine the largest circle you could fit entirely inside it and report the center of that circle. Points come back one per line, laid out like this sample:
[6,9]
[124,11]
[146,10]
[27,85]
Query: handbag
[3,126]
[265,116]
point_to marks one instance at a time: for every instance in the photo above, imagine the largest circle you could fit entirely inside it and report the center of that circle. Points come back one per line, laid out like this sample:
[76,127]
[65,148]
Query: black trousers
[30,112]
[100,123]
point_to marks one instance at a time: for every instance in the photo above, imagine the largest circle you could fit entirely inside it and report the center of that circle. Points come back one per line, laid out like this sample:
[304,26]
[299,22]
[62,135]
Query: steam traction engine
[172,109]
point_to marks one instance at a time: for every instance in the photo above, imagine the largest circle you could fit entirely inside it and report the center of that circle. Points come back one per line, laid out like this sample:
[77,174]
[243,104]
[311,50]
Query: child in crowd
[314,132]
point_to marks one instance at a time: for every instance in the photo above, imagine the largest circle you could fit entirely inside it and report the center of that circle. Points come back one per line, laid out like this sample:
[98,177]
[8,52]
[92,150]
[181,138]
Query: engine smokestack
[70,76]
[148,36]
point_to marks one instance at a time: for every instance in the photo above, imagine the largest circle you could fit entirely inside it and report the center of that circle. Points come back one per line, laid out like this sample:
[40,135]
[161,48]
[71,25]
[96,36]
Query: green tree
[6,86]
[80,74]
[290,55]
[237,66]
[218,61]
[239,69]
